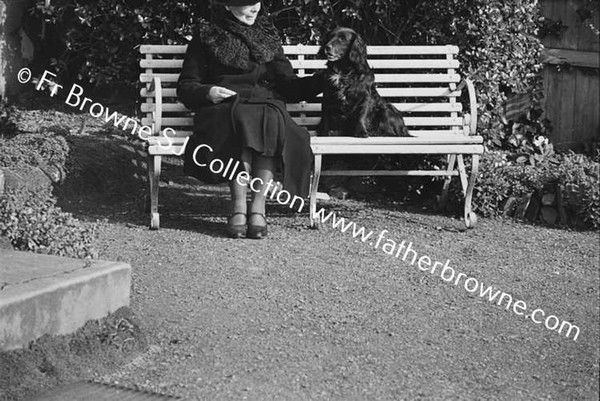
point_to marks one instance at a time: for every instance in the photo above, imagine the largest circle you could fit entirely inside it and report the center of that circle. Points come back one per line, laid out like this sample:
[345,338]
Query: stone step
[43,294]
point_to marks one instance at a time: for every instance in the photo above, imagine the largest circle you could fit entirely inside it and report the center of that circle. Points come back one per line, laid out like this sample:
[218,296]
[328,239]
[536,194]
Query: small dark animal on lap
[351,104]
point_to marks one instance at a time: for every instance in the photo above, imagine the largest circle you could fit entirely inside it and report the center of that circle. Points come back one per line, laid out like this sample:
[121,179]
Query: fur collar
[235,44]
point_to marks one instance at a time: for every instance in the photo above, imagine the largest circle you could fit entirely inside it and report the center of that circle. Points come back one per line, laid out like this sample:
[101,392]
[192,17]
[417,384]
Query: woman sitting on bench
[236,78]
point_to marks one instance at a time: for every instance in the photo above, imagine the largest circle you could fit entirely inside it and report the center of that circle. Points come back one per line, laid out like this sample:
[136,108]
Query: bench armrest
[472,102]
[156,87]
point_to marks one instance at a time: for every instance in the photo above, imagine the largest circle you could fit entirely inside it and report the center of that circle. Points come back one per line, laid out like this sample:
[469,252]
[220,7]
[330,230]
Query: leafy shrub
[578,178]
[575,176]
[33,222]
[497,39]
[100,38]
[34,150]
[29,216]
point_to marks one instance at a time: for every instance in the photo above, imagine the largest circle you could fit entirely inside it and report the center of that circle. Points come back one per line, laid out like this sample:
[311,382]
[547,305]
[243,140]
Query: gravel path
[314,314]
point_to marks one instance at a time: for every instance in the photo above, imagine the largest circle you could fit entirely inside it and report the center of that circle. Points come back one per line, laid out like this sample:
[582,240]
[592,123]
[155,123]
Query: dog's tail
[396,121]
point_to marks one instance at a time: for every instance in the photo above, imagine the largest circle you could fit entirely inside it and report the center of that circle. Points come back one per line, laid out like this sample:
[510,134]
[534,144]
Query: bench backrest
[421,81]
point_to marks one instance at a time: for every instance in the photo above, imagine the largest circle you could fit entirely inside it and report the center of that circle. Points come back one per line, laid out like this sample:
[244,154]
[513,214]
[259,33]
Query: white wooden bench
[421,81]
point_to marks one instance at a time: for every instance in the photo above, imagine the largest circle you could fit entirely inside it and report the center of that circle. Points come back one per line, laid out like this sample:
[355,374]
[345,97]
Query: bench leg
[444,195]
[154,164]
[470,216]
[313,191]
[463,173]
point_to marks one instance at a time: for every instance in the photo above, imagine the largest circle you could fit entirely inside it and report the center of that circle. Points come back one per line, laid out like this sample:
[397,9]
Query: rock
[27,178]
[562,213]
[510,207]
[533,209]
[55,173]
[323,196]
[548,199]
[338,192]
[549,215]
[523,204]
[5,243]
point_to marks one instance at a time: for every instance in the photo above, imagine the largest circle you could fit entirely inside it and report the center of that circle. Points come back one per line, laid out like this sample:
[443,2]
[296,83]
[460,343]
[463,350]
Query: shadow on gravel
[106,180]
[102,179]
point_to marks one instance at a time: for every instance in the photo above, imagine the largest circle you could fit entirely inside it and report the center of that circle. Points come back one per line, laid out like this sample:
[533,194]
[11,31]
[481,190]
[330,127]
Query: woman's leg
[238,192]
[262,167]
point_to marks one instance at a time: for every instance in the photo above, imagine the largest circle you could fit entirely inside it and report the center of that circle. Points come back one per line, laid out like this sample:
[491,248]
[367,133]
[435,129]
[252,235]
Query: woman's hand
[217,94]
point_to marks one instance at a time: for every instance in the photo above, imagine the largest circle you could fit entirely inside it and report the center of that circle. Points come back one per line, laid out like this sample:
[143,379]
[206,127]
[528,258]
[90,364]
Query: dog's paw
[334,132]
[404,132]
[361,134]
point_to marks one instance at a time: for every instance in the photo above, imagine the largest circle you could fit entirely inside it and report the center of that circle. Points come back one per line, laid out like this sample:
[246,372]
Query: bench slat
[369,173]
[332,141]
[409,121]
[166,108]
[163,49]
[379,78]
[400,150]
[385,92]
[403,107]
[447,138]
[316,107]
[405,148]
[379,50]
[320,64]
[313,49]
[387,64]
[181,134]
[157,64]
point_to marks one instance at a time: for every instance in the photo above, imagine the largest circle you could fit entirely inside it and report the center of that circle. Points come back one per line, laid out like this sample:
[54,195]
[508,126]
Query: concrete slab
[42,294]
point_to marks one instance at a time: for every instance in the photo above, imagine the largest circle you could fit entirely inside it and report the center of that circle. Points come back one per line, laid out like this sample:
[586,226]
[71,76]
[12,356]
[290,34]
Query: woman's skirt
[262,125]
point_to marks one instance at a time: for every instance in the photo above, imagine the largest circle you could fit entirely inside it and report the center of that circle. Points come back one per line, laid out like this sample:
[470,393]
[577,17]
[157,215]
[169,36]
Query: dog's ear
[358,50]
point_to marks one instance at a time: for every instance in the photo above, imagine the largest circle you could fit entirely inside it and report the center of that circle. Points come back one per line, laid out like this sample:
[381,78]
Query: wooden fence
[571,77]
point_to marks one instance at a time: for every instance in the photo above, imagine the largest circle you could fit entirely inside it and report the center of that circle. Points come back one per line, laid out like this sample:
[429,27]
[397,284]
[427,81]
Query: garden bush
[32,222]
[502,176]
[29,217]
[100,38]
[38,150]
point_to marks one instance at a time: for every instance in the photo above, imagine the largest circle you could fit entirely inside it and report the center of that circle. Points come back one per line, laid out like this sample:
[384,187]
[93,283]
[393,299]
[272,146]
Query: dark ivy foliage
[33,222]
[498,42]
[100,38]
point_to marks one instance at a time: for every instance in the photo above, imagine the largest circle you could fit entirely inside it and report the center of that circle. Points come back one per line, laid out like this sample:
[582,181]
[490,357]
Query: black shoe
[255,231]
[236,230]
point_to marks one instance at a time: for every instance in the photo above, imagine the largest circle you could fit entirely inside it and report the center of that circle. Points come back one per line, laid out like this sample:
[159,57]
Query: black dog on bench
[351,103]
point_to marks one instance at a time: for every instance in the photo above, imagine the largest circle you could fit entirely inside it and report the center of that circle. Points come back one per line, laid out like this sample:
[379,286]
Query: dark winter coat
[250,61]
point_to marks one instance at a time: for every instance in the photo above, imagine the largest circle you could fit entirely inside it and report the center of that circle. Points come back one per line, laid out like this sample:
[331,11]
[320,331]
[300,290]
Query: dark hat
[237,2]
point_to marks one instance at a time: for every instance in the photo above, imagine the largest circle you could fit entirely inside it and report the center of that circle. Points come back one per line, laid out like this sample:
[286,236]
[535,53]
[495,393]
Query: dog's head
[344,44]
